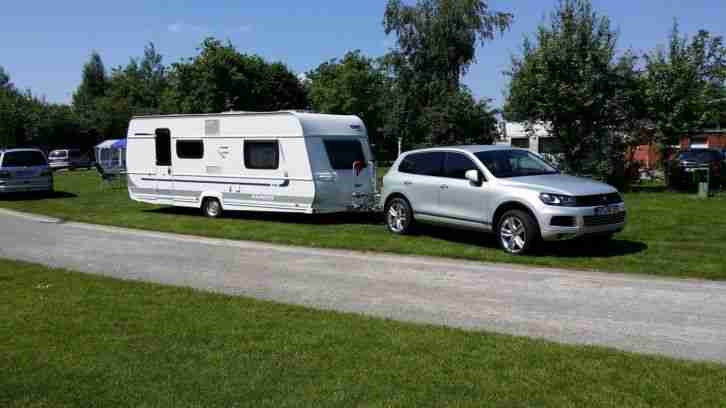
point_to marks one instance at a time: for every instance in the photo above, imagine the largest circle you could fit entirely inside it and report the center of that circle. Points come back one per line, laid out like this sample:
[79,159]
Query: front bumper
[586,222]
[58,165]
[17,186]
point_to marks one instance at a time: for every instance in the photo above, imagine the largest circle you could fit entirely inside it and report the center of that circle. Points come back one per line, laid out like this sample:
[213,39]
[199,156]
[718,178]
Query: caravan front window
[261,155]
[343,153]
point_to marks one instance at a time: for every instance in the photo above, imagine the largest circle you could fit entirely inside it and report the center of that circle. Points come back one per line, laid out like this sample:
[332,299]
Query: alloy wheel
[397,217]
[513,235]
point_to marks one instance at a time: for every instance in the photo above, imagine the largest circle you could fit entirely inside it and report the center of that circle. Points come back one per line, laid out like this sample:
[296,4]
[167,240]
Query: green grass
[70,339]
[668,234]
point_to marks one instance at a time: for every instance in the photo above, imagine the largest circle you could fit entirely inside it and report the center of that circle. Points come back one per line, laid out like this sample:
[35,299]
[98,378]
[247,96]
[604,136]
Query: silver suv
[511,192]
[23,170]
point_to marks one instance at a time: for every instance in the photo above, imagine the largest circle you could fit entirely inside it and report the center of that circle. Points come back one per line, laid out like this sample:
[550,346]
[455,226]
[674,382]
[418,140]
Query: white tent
[111,155]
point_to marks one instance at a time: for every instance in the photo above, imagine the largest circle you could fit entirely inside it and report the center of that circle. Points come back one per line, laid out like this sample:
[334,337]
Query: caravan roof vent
[211,127]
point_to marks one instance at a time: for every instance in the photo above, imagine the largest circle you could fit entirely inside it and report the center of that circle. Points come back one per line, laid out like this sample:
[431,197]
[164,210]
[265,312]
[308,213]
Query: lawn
[669,234]
[71,339]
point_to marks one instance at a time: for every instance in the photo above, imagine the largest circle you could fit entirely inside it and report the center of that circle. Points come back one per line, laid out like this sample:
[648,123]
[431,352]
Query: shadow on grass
[35,196]
[581,248]
[565,249]
[306,219]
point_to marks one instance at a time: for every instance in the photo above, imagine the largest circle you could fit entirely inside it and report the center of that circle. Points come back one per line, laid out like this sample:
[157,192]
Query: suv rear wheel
[517,232]
[399,216]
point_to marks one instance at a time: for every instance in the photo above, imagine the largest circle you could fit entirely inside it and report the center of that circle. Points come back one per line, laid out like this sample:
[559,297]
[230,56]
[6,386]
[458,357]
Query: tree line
[596,98]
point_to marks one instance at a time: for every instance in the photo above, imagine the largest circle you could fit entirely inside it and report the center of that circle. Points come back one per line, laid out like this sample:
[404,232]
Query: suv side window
[424,164]
[457,164]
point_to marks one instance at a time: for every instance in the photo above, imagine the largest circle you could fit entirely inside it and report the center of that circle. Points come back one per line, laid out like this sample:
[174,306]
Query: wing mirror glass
[474,176]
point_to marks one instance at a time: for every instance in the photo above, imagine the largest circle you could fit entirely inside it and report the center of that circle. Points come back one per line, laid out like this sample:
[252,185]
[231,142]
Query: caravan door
[164,176]
[352,168]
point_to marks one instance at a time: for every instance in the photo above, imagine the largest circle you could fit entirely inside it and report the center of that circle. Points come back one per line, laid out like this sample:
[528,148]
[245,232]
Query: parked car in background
[24,170]
[70,159]
[682,171]
[512,192]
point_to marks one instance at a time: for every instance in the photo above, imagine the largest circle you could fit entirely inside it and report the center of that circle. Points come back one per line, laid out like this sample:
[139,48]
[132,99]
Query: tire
[399,216]
[517,232]
[212,208]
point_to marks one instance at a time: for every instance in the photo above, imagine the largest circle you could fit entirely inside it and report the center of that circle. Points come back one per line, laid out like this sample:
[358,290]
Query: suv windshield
[514,163]
[699,155]
[23,159]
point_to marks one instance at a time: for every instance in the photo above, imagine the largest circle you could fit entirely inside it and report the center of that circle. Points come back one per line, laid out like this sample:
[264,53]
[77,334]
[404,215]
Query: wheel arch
[210,194]
[393,195]
[512,205]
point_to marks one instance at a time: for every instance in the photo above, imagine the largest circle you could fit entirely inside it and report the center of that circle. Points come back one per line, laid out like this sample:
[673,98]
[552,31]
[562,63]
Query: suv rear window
[343,153]
[23,159]
[58,154]
[425,164]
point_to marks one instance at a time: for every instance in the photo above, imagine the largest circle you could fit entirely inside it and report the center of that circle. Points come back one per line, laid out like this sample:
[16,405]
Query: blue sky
[43,44]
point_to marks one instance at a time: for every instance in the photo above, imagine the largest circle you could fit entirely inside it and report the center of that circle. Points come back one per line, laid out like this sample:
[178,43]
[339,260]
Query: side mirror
[473,176]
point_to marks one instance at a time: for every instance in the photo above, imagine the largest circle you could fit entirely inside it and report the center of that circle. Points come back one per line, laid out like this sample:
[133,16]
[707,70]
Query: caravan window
[343,153]
[262,155]
[189,149]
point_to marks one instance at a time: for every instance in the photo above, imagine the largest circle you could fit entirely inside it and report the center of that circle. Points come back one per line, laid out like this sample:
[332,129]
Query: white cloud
[181,27]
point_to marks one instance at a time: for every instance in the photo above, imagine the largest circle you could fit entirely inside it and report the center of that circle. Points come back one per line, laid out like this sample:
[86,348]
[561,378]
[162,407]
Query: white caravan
[269,161]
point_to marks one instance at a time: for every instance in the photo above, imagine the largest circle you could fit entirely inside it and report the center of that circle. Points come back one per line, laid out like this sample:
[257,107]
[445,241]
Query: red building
[704,139]
[647,155]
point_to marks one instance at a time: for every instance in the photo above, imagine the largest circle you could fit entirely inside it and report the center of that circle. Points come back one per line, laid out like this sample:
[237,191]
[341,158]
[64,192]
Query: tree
[221,79]
[438,38]
[436,44]
[5,83]
[684,84]
[354,85]
[139,85]
[93,87]
[93,82]
[10,113]
[570,79]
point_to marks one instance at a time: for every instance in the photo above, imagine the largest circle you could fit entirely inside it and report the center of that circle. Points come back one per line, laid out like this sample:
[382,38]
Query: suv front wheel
[517,232]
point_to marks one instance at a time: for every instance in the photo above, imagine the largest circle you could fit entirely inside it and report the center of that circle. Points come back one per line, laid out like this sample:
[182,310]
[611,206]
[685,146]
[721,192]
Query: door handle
[444,186]
[408,183]
[168,171]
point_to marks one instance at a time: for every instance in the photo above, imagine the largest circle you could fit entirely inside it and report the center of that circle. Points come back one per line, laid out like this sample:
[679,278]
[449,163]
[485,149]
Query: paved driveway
[681,318]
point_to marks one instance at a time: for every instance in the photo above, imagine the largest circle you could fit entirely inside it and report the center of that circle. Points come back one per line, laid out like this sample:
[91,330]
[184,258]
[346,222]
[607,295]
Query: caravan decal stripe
[268,198]
[454,218]
[283,184]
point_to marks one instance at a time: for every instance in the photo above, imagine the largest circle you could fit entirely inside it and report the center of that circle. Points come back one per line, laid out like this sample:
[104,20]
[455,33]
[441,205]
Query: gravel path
[680,318]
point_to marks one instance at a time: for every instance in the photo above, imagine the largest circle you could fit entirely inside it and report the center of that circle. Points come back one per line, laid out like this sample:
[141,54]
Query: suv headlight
[558,199]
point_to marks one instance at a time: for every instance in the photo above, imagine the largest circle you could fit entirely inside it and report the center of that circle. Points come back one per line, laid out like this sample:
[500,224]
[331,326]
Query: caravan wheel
[212,208]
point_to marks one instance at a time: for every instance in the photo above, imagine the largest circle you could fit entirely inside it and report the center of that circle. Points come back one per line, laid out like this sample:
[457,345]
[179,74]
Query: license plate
[609,210]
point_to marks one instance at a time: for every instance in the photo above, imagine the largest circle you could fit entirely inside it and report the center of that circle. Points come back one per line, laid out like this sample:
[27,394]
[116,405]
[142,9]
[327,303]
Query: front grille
[599,199]
[597,220]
